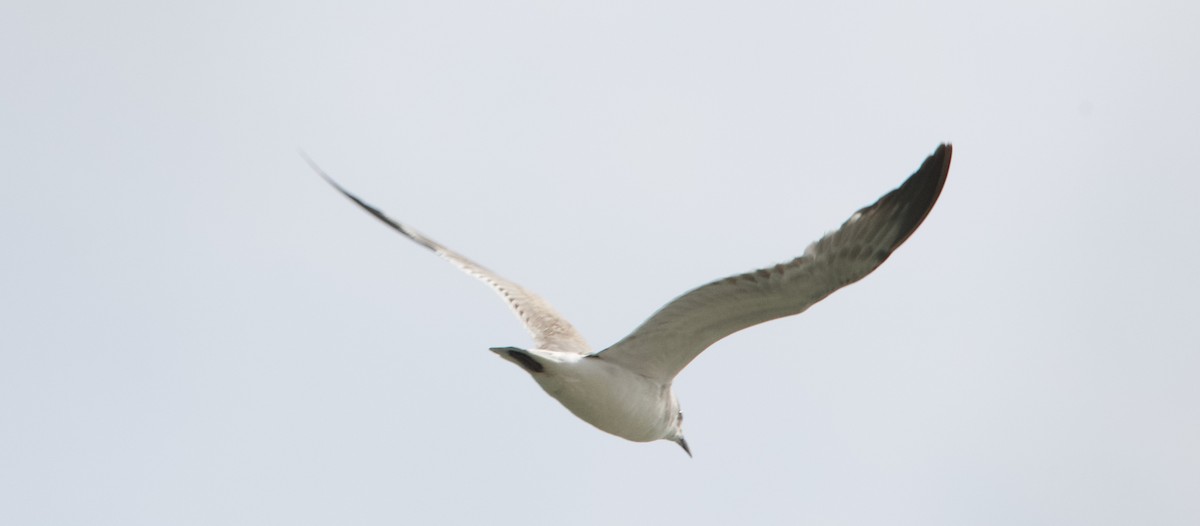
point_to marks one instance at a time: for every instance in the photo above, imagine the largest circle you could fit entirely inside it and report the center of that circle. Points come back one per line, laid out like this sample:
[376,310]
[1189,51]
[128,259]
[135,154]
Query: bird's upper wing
[664,344]
[549,329]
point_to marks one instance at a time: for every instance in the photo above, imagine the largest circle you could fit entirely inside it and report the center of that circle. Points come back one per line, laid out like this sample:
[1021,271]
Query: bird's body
[625,389]
[606,395]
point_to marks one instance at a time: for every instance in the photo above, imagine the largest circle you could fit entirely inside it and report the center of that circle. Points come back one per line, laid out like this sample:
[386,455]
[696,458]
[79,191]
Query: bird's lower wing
[548,328]
[670,339]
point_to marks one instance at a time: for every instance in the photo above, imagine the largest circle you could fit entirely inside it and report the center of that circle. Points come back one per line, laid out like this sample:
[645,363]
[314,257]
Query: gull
[625,389]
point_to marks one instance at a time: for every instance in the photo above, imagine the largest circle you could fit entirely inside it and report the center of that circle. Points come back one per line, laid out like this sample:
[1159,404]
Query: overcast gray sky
[196,330]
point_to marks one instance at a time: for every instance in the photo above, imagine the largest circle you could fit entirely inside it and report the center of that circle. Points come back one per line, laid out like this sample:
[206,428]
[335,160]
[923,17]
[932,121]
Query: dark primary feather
[671,338]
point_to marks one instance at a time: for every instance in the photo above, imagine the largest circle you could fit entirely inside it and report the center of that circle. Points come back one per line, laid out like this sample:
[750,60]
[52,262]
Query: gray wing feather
[548,328]
[671,338]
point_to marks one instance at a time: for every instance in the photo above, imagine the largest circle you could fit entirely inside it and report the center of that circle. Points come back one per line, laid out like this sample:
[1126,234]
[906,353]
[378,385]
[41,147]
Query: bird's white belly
[611,398]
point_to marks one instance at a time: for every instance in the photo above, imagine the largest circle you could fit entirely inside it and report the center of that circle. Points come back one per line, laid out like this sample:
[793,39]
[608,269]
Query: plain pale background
[196,330]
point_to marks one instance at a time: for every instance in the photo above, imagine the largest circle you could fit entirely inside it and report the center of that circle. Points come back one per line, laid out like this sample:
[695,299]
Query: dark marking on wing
[526,361]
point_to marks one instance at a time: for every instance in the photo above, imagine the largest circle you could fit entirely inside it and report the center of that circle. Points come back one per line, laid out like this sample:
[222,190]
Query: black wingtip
[936,166]
[939,162]
[316,168]
[919,192]
[422,240]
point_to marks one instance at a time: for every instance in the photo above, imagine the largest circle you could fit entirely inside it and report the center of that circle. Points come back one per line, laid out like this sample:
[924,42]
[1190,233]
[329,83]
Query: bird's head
[676,432]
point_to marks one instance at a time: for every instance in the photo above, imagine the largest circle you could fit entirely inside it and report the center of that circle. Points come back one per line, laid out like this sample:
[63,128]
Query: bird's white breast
[611,398]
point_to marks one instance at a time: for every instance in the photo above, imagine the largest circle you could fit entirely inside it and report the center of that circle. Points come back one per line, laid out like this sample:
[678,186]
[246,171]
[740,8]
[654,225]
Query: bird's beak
[683,444]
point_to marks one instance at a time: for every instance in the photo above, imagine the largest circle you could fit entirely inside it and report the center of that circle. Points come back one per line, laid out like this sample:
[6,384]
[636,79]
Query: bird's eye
[680,419]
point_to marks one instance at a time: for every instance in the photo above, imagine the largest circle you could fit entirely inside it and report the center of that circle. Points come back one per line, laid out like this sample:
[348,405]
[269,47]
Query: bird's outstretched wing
[670,339]
[549,329]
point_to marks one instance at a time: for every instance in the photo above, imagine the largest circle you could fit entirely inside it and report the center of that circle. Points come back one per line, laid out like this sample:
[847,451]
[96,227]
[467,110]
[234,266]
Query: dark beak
[683,444]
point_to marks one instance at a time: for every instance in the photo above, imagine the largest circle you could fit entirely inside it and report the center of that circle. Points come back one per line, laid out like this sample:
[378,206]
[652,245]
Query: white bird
[626,389]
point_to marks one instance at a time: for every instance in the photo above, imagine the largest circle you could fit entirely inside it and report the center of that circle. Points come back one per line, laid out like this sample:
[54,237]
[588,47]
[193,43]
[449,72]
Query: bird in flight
[625,389]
